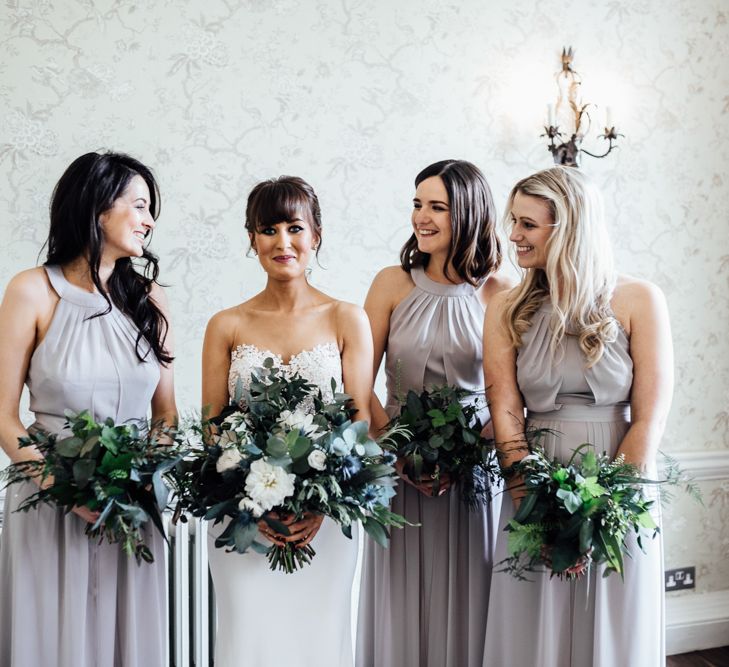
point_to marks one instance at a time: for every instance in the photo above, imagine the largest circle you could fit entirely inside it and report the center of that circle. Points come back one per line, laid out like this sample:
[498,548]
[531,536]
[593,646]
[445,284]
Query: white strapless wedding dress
[274,619]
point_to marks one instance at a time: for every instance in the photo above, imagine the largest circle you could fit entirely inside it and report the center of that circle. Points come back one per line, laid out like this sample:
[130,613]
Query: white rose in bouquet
[300,421]
[268,485]
[248,505]
[228,460]
[237,422]
[317,459]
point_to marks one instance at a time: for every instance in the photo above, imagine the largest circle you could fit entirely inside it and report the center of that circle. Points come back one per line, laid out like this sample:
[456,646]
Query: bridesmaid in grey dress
[85,331]
[424,600]
[588,353]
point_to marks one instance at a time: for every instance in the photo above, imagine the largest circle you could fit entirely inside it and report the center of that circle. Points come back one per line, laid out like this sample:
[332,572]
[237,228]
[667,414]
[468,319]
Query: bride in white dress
[265,618]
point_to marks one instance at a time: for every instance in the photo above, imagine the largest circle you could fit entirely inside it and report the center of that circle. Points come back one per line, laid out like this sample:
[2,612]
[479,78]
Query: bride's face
[285,248]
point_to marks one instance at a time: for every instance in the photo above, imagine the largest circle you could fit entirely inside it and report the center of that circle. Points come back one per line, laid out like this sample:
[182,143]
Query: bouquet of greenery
[112,469]
[580,513]
[286,452]
[442,435]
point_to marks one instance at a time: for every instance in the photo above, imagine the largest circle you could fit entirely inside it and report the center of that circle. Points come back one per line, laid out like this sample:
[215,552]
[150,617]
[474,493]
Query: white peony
[237,422]
[317,459]
[248,505]
[298,420]
[268,485]
[228,460]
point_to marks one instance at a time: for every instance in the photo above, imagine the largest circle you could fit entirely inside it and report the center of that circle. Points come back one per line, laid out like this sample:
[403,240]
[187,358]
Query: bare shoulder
[389,287]
[631,294]
[392,279]
[349,314]
[493,285]
[223,323]
[497,303]
[635,300]
[31,287]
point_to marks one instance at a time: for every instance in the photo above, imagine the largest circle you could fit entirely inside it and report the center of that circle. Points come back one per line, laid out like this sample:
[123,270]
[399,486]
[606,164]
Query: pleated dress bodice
[549,381]
[89,363]
[435,339]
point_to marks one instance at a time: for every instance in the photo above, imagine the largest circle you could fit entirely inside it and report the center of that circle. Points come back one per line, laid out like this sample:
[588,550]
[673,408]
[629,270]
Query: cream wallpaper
[357,97]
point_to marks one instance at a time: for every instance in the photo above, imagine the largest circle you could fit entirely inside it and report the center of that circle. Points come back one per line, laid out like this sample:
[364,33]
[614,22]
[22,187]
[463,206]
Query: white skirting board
[697,622]
[700,620]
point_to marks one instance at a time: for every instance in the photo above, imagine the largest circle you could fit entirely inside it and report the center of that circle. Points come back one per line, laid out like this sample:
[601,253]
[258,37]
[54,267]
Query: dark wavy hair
[88,188]
[475,250]
[281,199]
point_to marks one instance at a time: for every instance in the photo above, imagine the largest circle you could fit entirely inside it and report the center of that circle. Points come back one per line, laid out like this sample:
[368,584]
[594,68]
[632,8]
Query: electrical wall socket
[680,579]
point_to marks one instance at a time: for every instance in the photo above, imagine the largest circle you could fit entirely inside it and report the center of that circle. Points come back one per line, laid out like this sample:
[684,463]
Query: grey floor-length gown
[424,601]
[65,600]
[595,621]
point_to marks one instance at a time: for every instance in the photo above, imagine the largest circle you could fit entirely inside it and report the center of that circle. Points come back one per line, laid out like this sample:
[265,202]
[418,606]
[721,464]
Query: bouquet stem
[290,557]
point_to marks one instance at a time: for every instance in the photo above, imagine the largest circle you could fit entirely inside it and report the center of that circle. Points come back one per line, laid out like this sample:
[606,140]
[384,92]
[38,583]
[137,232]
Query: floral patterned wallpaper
[357,97]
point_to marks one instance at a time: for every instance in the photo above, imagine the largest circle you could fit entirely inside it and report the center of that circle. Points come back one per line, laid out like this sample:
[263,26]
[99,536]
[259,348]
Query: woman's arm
[28,302]
[24,298]
[353,327]
[384,293]
[164,407]
[502,391]
[652,353]
[216,364]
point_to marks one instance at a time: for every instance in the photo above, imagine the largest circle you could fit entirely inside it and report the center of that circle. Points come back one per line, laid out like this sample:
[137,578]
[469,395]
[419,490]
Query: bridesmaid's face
[432,217]
[126,224]
[284,249]
[532,226]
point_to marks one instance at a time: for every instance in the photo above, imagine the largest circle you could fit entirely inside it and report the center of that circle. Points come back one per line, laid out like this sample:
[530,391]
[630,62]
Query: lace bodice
[318,365]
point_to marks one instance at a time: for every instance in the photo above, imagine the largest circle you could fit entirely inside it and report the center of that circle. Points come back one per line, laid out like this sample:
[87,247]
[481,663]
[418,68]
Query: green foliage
[112,469]
[578,514]
[353,479]
[441,435]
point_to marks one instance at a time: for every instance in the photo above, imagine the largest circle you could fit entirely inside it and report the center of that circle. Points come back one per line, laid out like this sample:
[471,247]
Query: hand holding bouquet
[271,464]
[441,439]
[110,469]
[578,514]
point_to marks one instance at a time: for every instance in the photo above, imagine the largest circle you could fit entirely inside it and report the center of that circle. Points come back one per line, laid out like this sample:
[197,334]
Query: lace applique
[317,365]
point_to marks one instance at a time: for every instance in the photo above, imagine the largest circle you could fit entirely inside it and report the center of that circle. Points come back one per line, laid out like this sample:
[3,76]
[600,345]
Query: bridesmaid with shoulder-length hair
[86,331]
[588,353]
[424,600]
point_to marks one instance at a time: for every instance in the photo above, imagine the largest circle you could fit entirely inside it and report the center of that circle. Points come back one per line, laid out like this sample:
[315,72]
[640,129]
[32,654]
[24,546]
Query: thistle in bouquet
[113,469]
[580,513]
[285,454]
[442,440]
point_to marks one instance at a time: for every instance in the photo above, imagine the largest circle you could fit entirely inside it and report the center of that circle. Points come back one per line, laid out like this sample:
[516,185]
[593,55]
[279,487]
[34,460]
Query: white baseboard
[697,622]
[704,465]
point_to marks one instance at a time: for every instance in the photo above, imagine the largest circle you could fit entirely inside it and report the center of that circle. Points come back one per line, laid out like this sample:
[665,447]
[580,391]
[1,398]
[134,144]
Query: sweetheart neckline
[329,344]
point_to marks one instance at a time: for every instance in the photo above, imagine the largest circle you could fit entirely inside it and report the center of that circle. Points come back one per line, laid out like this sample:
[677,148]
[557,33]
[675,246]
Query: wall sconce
[576,117]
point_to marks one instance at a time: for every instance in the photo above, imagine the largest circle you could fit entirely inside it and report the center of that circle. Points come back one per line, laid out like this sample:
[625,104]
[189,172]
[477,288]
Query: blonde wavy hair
[579,277]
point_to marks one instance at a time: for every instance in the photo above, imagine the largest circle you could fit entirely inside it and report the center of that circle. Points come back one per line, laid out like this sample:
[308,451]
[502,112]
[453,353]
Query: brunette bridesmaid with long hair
[86,331]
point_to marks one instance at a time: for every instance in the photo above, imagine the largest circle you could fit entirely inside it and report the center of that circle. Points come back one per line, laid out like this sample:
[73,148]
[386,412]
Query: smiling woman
[86,331]
[307,332]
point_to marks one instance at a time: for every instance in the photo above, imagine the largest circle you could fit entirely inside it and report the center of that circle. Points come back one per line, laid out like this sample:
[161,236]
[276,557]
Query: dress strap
[70,292]
[426,284]
[56,278]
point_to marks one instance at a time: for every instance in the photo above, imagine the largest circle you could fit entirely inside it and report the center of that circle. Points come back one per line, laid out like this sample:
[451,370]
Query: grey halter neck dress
[424,601]
[66,600]
[594,621]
